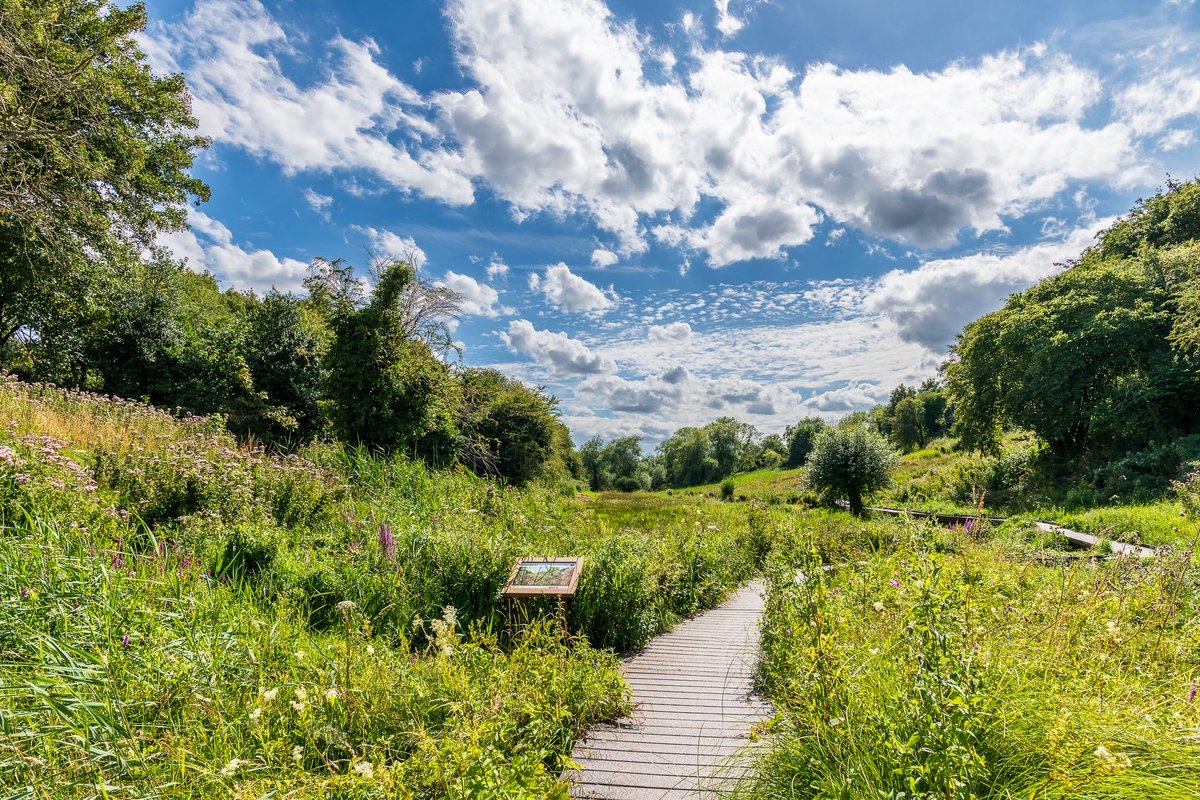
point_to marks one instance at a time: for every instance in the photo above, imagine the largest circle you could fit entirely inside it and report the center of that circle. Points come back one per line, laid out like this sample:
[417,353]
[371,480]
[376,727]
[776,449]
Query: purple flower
[25,593]
[387,544]
[895,583]
[125,640]
[1191,692]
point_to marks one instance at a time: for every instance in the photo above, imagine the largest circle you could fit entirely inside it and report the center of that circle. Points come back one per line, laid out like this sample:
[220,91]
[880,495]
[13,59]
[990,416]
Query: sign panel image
[548,576]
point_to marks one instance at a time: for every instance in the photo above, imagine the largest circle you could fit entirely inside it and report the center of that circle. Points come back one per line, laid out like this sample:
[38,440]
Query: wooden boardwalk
[693,711]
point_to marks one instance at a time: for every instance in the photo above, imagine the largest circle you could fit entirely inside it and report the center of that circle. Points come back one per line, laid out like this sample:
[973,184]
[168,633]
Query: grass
[186,617]
[977,672]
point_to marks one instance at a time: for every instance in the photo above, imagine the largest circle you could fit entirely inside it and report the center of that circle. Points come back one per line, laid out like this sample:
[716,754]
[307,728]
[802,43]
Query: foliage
[388,388]
[1087,359]
[615,465]
[801,437]
[509,430]
[849,462]
[903,672]
[94,158]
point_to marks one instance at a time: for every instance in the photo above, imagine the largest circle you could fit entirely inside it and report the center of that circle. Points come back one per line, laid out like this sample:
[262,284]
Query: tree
[908,423]
[284,353]
[508,430]
[94,154]
[849,462]
[800,440]
[729,440]
[388,390]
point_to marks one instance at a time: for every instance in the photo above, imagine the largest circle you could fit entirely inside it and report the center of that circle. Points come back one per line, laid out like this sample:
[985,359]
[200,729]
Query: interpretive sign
[544,576]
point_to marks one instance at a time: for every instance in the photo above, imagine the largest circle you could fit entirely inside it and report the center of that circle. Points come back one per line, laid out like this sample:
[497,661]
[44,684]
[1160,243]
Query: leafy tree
[730,441]
[801,437]
[686,458]
[94,155]
[591,457]
[509,430]
[388,390]
[849,462]
[908,423]
[284,352]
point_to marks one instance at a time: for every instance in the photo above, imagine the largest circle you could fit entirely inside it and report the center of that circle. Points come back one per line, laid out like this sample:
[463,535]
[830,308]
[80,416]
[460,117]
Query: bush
[727,489]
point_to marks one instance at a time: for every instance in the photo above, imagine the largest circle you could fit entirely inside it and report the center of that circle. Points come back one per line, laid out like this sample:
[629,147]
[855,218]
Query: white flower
[299,655]
[297,753]
[299,708]
[370,650]
[232,767]
[301,695]
[256,713]
[270,694]
[878,606]
[364,769]
[331,695]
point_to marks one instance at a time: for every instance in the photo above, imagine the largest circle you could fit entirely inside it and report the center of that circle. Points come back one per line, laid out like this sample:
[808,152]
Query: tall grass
[977,672]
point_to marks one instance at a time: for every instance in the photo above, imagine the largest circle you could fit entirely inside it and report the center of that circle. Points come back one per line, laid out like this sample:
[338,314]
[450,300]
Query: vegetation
[849,462]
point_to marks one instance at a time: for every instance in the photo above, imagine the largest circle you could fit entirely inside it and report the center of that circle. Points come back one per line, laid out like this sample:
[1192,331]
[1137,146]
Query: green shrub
[727,489]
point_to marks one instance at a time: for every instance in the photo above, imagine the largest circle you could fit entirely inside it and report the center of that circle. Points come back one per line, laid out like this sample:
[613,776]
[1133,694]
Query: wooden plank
[694,707]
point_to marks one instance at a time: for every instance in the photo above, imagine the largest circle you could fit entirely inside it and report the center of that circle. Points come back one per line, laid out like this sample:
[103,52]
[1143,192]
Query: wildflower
[297,753]
[387,543]
[364,769]
[269,695]
[125,640]
[26,592]
[299,655]
[1109,762]
[1191,695]
[878,606]
[256,713]
[230,769]
[300,694]
[370,650]
[299,707]
[895,583]
[331,695]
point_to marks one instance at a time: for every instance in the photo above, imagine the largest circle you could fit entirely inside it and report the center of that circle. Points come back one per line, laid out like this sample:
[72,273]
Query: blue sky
[666,212]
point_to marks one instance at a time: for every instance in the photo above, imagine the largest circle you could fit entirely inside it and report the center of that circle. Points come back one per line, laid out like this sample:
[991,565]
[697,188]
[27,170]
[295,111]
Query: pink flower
[895,583]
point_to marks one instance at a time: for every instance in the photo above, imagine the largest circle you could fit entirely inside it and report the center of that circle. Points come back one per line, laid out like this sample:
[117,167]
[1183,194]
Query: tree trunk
[856,502]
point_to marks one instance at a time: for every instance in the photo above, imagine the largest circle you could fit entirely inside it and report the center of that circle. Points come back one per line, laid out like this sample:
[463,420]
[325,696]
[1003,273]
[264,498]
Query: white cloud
[728,24]
[558,352]
[569,292]
[1152,106]
[232,52]
[496,269]
[387,245]
[209,245]
[676,330]
[563,116]
[932,303]
[478,299]
[318,202]
[604,258]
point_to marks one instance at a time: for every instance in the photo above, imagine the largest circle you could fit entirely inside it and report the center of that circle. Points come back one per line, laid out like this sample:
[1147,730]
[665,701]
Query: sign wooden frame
[522,565]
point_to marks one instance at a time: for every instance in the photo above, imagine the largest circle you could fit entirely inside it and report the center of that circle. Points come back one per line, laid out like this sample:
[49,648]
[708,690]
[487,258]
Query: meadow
[187,617]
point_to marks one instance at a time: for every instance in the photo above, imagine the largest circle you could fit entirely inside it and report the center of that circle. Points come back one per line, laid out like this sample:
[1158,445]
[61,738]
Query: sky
[664,212]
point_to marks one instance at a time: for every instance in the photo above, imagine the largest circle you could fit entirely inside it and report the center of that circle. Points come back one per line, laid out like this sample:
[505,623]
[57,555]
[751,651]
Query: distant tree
[908,423]
[801,437]
[849,462]
[94,156]
[591,457]
[729,442]
[389,390]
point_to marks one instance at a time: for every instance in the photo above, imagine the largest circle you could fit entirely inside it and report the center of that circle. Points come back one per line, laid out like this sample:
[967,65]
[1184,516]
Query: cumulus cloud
[496,269]
[572,112]
[569,292]
[209,246]
[558,352]
[478,299]
[930,304]
[676,330]
[388,245]
[604,258]
[845,399]
[233,53]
